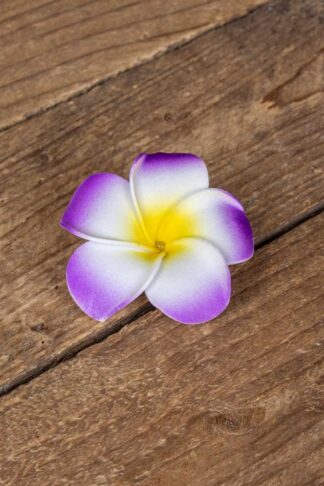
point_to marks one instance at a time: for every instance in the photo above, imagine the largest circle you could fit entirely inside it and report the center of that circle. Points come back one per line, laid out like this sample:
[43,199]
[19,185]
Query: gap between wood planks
[173,47]
[145,309]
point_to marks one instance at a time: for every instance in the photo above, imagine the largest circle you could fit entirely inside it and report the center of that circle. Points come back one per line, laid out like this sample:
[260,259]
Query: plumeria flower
[165,233]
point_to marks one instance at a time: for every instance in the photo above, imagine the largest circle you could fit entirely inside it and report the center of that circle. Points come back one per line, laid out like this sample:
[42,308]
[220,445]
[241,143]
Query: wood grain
[51,50]
[236,402]
[192,99]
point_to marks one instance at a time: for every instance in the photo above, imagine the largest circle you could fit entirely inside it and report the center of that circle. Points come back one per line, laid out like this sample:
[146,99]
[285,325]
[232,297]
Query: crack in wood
[75,350]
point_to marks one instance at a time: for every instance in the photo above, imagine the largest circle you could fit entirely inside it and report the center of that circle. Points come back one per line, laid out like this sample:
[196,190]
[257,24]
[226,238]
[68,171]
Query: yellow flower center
[159,245]
[162,226]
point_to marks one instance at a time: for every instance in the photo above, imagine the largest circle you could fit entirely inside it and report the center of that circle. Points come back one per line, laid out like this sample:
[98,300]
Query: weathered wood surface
[236,402]
[50,50]
[246,97]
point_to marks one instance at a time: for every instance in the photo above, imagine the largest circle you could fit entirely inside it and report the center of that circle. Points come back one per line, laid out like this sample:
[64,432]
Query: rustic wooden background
[140,400]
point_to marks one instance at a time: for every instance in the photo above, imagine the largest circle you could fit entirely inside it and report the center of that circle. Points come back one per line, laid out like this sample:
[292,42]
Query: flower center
[159,245]
[160,227]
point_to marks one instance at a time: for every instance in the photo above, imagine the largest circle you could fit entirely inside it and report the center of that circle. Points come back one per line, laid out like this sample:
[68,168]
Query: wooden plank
[193,99]
[51,50]
[235,402]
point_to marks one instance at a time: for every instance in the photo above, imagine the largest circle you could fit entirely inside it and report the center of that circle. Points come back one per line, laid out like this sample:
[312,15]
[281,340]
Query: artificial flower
[165,233]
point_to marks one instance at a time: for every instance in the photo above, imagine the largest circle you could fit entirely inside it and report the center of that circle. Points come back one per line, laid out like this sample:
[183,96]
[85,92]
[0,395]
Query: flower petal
[216,216]
[102,278]
[159,180]
[193,284]
[102,207]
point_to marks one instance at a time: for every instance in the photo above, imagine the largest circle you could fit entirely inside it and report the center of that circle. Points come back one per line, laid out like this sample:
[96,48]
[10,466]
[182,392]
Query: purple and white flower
[165,233]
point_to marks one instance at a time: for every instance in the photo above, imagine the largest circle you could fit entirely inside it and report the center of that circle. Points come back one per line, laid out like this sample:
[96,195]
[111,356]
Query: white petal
[160,180]
[216,216]
[102,279]
[193,284]
[102,207]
